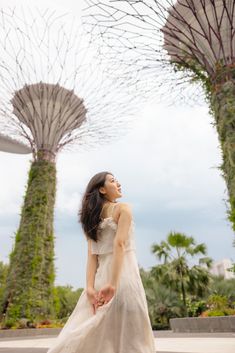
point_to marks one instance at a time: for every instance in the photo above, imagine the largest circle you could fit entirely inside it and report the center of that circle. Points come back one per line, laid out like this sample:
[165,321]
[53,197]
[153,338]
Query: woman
[111,315]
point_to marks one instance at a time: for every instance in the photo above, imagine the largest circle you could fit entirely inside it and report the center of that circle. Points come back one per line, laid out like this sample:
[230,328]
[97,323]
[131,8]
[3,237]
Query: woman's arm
[92,264]
[120,239]
[107,292]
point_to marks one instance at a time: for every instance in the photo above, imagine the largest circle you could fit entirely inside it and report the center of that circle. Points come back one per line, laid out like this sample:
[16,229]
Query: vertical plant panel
[223,108]
[30,283]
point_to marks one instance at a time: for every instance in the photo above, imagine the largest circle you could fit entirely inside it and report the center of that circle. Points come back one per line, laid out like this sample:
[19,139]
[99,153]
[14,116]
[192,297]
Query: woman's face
[111,189]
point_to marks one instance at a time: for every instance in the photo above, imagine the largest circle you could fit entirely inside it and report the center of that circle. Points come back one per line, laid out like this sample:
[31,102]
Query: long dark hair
[92,203]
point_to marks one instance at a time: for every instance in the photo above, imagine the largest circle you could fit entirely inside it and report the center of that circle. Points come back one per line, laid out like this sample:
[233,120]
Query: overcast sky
[167,166]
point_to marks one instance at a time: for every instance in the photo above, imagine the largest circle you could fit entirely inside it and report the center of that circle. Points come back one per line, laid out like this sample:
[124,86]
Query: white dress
[120,326]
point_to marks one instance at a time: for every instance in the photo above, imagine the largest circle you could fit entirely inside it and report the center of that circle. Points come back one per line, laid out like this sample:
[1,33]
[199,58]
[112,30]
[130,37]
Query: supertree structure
[183,51]
[53,94]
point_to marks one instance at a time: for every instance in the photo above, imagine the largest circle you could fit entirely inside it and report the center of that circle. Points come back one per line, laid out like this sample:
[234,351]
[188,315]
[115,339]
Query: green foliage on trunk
[3,279]
[30,289]
[223,107]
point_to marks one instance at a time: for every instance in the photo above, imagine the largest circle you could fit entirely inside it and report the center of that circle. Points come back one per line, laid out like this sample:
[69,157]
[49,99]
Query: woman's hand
[106,293]
[100,298]
[96,299]
[92,296]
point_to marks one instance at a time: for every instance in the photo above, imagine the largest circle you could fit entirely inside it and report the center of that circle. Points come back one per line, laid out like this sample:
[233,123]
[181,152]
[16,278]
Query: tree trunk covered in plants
[30,283]
[223,108]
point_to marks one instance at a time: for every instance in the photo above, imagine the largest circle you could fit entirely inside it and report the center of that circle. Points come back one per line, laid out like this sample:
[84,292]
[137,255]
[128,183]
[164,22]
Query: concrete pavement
[166,342]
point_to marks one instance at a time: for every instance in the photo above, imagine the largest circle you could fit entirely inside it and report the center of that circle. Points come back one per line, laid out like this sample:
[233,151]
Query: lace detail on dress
[110,221]
[106,234]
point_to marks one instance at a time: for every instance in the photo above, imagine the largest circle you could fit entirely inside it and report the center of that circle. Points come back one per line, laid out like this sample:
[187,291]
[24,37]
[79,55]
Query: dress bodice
[106,234]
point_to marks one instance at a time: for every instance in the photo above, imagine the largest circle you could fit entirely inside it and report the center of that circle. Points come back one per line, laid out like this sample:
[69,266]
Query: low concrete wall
[24,332]
[203,324]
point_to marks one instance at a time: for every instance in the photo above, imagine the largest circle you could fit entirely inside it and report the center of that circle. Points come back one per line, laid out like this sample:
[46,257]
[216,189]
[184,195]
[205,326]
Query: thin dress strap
[111,211]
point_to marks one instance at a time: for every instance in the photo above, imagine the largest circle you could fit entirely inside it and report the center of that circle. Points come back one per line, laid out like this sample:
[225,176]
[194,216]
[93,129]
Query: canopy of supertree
[53,112]
[7,144]
[148,36]
[182,51]
[202,31]
[54,89]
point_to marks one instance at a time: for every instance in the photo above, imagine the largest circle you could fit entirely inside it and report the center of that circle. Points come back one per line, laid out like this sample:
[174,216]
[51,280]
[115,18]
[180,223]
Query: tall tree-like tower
[54,93]
[175,46]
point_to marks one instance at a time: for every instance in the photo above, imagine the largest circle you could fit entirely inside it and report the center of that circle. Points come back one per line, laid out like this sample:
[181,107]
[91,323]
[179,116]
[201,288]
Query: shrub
[229,311]
[195,307]
[215,313]
[22,323]
[216,301]
[9,323]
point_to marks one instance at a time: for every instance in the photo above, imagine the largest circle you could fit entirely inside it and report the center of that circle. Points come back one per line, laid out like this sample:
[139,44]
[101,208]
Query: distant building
[220,268]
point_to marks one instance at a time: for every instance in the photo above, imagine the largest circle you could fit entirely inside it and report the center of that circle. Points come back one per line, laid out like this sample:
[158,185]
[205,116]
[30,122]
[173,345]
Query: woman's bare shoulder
[124,206]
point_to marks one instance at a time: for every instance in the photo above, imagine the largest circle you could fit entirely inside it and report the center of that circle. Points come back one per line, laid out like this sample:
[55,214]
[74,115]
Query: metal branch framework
[171,44]
[202,31]
[148,36]
[56,84]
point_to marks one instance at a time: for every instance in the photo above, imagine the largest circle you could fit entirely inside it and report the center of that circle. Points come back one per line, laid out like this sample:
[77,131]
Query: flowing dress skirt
[120,326]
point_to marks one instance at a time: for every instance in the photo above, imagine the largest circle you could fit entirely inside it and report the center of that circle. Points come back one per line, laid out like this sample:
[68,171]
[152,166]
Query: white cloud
[170,155]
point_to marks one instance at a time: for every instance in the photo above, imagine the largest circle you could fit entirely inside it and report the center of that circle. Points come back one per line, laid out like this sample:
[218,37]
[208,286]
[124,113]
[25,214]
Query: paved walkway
[163,344]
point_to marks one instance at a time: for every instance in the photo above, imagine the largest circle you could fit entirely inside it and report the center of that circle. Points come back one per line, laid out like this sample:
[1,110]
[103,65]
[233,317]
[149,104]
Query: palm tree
[175,271]
[199,279]
[163,303]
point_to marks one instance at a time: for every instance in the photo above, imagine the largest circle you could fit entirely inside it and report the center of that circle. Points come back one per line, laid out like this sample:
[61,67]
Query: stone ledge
[15,334]
[203,324]
[24,332]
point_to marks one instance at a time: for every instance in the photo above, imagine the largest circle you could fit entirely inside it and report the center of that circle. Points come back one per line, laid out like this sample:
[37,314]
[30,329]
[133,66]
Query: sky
[167,165]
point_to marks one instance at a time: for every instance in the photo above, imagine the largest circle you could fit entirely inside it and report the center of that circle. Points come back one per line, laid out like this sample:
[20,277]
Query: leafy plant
[67,300]
[175,272]
[163,303]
